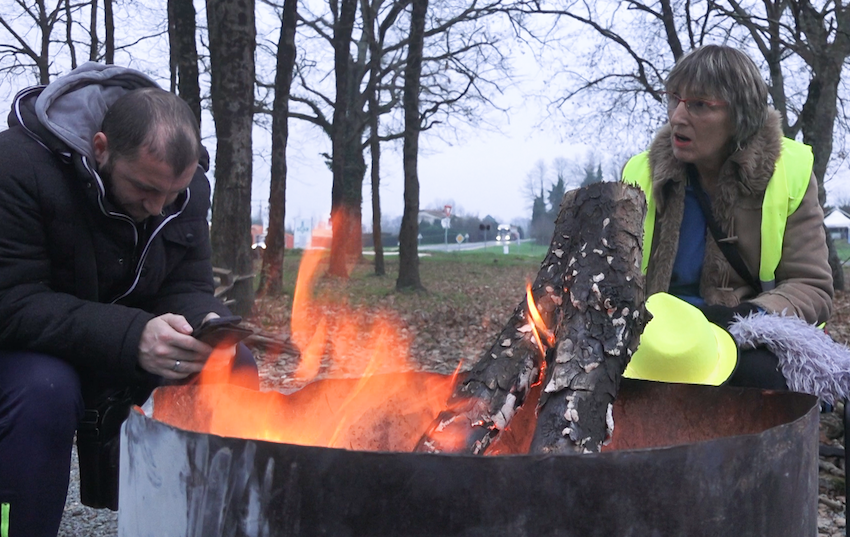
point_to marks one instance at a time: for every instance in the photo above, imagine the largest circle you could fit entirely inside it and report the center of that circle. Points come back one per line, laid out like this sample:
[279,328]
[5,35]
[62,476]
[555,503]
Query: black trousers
[42,400]
[758,368]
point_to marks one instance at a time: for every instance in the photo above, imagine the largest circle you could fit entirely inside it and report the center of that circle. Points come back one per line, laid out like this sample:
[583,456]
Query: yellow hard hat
[680,345]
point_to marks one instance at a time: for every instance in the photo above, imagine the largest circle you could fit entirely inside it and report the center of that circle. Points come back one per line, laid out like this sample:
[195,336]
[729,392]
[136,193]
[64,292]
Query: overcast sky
[483,173]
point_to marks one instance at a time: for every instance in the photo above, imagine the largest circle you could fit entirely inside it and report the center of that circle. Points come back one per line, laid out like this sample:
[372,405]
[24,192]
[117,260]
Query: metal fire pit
[684,461]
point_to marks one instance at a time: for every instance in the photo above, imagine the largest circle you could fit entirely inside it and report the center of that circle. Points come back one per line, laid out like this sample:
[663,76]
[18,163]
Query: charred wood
[489,394]
[602,319]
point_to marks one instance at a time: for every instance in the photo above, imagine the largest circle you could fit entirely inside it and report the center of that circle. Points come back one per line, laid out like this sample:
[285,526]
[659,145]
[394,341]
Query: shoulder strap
[729,251]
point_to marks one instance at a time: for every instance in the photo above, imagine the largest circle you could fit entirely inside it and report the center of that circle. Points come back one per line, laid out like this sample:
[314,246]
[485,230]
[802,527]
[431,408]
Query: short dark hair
[729,74]
[157,120]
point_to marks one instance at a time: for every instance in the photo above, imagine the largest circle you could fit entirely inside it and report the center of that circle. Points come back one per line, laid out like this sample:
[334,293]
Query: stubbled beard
[105,173]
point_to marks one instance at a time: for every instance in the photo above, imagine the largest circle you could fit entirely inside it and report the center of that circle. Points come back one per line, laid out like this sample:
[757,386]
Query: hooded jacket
[803,276]
[79,279]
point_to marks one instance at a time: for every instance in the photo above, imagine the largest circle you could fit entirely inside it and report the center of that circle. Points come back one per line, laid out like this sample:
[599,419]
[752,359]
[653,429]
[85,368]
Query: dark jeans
[41,403]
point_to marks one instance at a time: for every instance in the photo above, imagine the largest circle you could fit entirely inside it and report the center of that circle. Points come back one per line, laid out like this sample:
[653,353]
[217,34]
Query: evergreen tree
[542,224]
[589,176]
[556,194]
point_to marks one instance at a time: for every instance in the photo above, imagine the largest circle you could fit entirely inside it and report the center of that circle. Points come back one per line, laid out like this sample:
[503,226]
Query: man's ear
[100,145]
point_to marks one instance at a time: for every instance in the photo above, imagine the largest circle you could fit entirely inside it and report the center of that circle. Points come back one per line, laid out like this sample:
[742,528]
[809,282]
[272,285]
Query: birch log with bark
[595,218]
[602,320]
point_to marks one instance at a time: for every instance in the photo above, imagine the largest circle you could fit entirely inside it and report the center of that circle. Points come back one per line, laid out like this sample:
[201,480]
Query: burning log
[597,238]
[601,321]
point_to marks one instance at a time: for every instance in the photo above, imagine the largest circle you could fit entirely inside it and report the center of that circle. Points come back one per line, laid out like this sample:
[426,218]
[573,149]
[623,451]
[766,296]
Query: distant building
[258,236]
[430,216]
[838,224]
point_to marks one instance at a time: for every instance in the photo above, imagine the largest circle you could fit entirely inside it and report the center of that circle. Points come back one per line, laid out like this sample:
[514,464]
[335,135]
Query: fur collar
[745,174]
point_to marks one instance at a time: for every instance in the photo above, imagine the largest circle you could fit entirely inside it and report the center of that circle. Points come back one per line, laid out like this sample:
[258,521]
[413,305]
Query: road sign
[459,238]
[446,222]
[448,210]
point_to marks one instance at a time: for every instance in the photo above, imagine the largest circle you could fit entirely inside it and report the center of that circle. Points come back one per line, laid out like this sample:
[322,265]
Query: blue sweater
[687,268]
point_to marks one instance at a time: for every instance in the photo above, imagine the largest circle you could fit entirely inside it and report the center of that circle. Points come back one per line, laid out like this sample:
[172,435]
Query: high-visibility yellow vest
[784,193]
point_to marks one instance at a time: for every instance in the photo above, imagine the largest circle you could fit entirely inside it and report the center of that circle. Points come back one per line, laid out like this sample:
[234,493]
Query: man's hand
[168,349]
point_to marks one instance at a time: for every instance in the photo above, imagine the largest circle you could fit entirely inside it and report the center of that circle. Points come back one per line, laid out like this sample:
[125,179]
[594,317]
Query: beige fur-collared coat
[803,277]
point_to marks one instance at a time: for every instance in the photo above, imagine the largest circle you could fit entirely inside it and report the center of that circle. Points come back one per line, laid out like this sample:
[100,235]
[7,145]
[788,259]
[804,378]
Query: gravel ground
[81,521]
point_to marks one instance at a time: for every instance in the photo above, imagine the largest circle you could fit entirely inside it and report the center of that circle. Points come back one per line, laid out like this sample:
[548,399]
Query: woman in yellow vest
[723,153]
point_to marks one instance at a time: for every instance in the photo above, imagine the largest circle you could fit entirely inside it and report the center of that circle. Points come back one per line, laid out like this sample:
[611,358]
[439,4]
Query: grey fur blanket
[808,358]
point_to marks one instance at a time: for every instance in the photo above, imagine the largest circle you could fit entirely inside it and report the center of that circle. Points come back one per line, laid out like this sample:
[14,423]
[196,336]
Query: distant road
[454,247]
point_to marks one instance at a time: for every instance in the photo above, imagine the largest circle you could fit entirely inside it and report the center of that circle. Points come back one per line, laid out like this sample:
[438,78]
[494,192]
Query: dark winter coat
[803,277]
[78,278]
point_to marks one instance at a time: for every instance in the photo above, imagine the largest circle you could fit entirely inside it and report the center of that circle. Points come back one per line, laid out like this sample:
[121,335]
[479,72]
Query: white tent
[838,223]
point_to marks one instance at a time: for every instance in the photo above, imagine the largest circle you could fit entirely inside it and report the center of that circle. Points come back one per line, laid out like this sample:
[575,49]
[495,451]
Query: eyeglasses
[695,107]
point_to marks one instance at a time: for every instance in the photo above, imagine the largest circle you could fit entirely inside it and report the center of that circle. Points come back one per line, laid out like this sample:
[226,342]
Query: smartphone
[222,331]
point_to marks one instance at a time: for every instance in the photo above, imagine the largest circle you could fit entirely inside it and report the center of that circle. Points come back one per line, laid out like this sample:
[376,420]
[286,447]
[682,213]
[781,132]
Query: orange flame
[537,324]
[375,393]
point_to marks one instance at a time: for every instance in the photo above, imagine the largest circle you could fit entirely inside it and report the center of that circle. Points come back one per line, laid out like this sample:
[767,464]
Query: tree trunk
[817,119]
[408,270]
[232,41]
[109,32]
[93,50]
[69,39]
[374,140]
[594,311]
[375,145]
[272,273]
[826,55]
[342,213]
[184,53]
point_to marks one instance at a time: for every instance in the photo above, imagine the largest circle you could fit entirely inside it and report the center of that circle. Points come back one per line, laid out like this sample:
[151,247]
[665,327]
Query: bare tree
[272,272]
[94,40]
[109,33]
[69,34]
[16,49]
[32,40]
[374,114]
[457,70]
[346,197]
[818,37]
[536,180]
[408,271]
[232,37]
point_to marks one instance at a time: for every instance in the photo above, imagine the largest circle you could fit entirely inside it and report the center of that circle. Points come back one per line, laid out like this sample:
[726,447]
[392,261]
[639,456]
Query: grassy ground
[468,297]
[843,249]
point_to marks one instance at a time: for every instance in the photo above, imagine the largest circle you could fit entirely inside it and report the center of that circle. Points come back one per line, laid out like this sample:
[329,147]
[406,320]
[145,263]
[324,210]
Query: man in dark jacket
[104,268]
